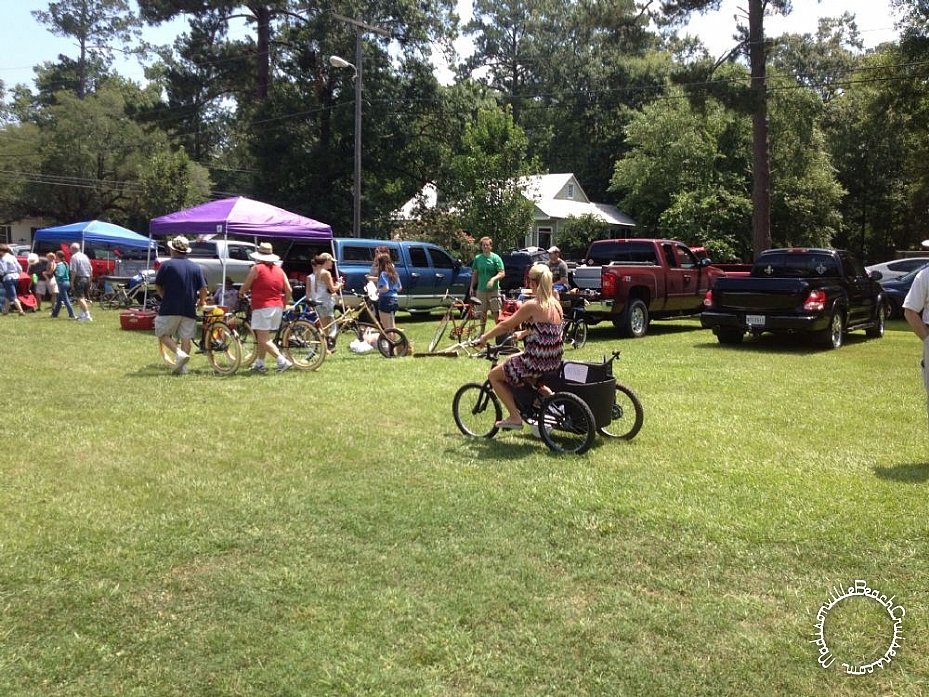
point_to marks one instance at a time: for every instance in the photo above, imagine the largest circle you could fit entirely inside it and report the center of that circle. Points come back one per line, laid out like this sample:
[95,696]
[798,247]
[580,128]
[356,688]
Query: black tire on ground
[633,324]
[832,336]
[627,415]
[727,335]
[476,410]
[877,331]
[566,423]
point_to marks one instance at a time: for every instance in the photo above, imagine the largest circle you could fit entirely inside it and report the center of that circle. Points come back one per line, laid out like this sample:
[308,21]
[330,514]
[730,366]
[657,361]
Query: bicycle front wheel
[566,423]
[626,413]
[392,343]
[304,345]
[476,410]
[223,348]
[247,340]
[439,333]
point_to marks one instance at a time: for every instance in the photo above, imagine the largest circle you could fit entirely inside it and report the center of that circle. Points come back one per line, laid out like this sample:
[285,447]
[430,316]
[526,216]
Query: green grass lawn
[332,533]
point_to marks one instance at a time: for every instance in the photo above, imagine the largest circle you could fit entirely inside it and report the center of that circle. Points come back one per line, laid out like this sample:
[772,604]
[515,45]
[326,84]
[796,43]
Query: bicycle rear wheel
[476,410]
[627,415]
[439,333]
[303,344]
[392,343]
[223,348]
[566,423]
[580,334]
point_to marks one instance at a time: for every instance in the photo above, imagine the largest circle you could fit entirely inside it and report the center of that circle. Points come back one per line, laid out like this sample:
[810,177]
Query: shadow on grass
[910,474]
[797,344]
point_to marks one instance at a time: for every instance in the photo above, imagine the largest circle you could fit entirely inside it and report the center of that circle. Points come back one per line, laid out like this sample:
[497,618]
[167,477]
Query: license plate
[754,320]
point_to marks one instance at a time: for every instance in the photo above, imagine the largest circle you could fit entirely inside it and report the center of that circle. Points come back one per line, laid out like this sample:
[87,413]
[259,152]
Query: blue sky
[25,43]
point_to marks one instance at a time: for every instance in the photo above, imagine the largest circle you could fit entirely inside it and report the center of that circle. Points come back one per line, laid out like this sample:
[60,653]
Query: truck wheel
[832,336]
[634,321]
[877,331]
[729,336]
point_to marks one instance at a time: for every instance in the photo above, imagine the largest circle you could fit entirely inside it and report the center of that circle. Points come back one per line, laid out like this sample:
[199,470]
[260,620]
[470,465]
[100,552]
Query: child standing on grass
[388,288]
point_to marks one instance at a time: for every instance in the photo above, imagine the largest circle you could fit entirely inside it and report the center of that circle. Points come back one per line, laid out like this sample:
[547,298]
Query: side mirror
[875,275]
[704,262]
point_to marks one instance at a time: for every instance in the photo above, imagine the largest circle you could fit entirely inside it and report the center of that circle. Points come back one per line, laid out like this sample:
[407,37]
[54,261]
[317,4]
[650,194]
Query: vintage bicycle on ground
[217,339]
[461,322]
[123,292]
[298,335]
[586,399]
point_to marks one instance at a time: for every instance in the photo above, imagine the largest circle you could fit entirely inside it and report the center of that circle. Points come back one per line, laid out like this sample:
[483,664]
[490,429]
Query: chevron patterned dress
[543,351]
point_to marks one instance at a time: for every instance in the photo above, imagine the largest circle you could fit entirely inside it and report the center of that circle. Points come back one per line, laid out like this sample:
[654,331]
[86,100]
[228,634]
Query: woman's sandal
[509,425]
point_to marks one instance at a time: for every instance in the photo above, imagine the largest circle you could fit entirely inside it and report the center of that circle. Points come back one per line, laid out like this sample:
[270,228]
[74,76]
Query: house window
[545,237]
[571,191]
[6,233]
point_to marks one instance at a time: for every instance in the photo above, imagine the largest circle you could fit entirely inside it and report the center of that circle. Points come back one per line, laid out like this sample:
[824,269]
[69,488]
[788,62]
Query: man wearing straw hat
[270,288]
[182,286]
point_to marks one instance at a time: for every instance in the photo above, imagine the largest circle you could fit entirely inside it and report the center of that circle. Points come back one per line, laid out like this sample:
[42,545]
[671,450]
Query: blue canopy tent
[94,231]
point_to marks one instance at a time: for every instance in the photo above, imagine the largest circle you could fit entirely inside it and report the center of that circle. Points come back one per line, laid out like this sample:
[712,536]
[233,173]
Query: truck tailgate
[760,294]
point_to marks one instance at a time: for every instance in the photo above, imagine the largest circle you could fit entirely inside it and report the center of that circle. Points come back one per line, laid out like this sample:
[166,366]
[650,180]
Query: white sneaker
[283,364]
[180,363]
[258,368]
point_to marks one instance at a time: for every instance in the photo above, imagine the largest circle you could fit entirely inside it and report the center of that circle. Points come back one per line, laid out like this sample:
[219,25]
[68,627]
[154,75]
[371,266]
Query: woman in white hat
[270,290]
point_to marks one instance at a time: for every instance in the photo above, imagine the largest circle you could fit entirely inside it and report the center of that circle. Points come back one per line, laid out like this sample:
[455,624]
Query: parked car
[218,256]
[895,292]
[517,263]
[898,267]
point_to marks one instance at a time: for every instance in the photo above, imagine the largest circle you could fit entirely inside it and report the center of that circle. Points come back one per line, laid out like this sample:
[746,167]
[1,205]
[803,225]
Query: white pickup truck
[215,254]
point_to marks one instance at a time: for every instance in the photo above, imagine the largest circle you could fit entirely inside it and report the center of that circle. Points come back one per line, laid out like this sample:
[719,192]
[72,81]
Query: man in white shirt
[81,273]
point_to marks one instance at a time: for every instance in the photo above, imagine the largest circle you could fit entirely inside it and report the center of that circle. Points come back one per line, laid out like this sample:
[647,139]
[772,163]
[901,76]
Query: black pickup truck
[823,293]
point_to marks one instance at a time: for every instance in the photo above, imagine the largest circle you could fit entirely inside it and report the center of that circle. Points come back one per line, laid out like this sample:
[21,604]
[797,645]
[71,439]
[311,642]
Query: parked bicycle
[298,335]
[461,320]
[116,292]
[586,400]
[217,339]
[574,323]
[361,321]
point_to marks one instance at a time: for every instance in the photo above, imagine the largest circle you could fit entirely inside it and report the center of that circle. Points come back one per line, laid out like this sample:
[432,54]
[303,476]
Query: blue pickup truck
[427,272]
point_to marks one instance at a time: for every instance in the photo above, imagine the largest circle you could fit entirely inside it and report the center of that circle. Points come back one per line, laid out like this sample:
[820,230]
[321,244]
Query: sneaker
[283,365]
[179,364]
[258,368]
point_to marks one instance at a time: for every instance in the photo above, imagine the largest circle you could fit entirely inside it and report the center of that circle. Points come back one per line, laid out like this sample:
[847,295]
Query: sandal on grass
[509,424]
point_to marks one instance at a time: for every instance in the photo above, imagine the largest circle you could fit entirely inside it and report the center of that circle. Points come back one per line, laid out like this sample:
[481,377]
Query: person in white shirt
[916,311]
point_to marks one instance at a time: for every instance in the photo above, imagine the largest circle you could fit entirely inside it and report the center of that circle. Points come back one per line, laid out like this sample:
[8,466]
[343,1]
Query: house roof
[549,194]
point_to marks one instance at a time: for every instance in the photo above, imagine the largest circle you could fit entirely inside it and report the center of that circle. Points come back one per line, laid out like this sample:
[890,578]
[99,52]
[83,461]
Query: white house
[557,197]
[21,231]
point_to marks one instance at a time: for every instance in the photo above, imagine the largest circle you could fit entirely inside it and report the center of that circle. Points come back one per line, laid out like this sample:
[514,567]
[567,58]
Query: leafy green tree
[485,184]
[576,234]
[96,25]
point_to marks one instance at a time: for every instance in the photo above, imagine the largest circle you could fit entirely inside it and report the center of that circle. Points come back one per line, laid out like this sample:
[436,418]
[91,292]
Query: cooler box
[137,319]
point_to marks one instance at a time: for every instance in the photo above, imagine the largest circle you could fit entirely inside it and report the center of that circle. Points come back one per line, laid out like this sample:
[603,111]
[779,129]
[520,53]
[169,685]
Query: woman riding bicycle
[541,318]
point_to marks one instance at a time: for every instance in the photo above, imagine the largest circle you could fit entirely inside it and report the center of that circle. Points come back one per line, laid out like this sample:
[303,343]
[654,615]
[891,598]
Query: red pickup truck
[101,266]
[632,281]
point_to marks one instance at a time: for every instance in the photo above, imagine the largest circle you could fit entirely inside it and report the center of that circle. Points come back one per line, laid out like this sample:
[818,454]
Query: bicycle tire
[247,340]
[392,343]
[439,333]
[566,424]
[303,344]
[626,422]
[223,348]
[580,334]
[476,410]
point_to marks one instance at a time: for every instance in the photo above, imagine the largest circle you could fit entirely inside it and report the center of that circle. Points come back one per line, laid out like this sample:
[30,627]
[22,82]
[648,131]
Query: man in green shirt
[486,272]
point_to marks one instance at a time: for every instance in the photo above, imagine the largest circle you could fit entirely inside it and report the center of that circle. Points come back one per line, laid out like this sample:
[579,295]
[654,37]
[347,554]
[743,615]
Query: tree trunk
[263,57]
[761,176]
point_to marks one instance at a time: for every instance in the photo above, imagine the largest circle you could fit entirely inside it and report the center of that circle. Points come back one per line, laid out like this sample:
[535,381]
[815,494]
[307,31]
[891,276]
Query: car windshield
[908,278]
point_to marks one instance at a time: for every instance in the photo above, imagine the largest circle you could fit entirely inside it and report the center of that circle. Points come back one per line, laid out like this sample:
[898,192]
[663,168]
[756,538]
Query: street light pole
[339,62]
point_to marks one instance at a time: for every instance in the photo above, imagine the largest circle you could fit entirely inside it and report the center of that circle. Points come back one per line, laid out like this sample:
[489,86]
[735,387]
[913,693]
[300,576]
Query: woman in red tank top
[270,291]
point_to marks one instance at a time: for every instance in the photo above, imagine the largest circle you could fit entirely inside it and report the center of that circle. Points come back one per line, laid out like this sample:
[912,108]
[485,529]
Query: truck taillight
[607,284]
[708,299]
[815,301]
[157,264]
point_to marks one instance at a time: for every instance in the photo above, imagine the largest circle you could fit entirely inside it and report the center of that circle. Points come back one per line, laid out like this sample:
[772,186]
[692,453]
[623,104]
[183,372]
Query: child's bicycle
[218,340]
[586,400]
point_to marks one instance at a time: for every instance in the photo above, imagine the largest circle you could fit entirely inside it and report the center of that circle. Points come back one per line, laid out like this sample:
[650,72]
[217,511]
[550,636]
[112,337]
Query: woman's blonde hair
[544,295]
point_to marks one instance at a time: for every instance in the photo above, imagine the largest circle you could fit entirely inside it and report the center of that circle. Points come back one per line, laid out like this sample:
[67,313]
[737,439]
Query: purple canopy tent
[239,216]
